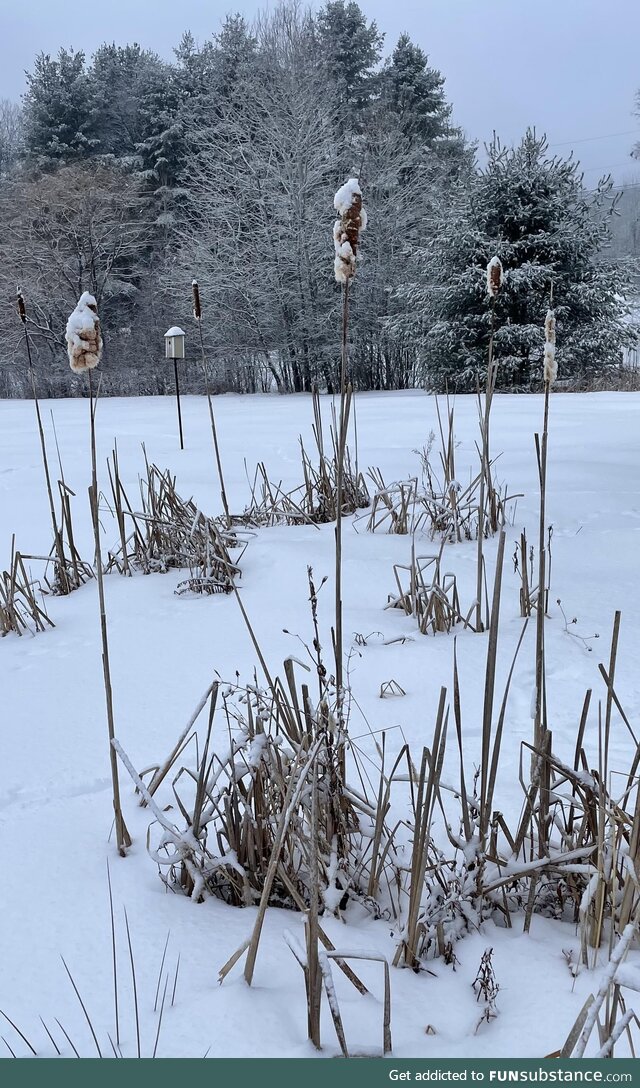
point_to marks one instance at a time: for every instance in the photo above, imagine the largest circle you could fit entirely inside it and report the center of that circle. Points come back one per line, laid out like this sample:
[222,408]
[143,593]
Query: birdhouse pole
[174,349]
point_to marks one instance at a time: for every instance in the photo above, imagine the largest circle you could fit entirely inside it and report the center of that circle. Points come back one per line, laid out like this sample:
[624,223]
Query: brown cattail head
[84,339]
[550,366]
[346,230]
[22,310]
[495,275]
[197,308]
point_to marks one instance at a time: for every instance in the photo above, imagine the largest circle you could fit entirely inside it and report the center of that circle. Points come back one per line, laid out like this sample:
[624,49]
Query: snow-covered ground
[55,806]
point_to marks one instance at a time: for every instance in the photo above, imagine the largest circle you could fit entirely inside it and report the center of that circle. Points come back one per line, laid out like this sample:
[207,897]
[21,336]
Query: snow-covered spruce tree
[350,49]
[60,111]
[412,94]
[534,211]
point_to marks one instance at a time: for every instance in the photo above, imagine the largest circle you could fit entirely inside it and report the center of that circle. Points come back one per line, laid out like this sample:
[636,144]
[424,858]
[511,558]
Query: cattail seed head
[346,230]
[84,339]
[495,276]
[197,308]
[550,327]
[550,366]
[22,310]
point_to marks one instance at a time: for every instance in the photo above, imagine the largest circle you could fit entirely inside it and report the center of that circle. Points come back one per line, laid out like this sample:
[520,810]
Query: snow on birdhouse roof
[175,330]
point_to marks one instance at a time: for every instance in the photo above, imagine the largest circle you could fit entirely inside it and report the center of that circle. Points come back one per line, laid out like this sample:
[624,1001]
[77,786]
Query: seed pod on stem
[550,372]
[495,276]
[346,230]
[197,308]
[84,339]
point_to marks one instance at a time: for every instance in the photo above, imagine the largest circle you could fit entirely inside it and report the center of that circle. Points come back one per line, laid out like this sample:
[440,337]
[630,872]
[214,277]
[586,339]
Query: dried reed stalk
[123,839]
[62,578]
[197,313]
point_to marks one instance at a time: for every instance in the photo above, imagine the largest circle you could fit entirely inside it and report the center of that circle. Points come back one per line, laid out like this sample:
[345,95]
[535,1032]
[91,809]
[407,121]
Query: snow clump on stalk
[550,364]
[495,276]
[84,339]
[346,230]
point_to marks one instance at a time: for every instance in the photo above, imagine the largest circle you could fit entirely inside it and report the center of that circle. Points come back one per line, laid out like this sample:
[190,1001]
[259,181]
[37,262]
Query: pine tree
[533,212]
[414,93]
[350,49]
[60,111]
[123,78]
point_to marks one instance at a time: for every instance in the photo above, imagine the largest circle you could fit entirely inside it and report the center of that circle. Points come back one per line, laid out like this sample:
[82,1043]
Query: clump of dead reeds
[428,593]
[22,607]
[316,500]
[166,532]
[440,504]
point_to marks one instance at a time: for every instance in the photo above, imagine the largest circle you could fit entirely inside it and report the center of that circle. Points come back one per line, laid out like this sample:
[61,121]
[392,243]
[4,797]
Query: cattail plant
[495,276]
[346,237]
[197,314]
[549,375]
[84,347]
[62,582]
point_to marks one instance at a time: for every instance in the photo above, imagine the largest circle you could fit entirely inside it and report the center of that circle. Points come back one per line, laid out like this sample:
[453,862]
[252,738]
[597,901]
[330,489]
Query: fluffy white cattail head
[346,230]
[550,366]
[495,276]
[550,327]
[84,339]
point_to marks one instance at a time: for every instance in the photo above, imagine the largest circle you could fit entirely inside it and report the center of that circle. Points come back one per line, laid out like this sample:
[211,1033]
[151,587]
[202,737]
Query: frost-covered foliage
[532,210]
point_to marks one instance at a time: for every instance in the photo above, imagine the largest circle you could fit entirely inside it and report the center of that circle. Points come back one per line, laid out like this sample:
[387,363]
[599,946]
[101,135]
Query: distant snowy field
[55,806]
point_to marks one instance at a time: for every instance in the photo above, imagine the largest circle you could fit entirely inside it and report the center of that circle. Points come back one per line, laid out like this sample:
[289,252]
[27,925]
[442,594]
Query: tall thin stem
[123,839]
[63,579]
[485,470]
[540,708]
[214,432]
[342,438]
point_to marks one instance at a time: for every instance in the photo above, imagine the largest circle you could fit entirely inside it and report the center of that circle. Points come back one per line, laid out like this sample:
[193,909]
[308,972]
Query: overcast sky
[570,67]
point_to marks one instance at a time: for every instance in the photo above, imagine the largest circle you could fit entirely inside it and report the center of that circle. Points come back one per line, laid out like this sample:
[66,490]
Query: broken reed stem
[123,839]
[57,536]
[214,431]
[339,490]
[540,710]
[485,469]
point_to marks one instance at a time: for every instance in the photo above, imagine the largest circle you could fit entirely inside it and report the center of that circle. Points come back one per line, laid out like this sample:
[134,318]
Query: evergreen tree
[350,49]
[60,111]
[414,93]
[534,214]
[123,78]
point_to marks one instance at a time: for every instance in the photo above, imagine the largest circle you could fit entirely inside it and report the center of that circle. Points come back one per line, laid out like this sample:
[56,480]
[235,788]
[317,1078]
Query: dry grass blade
[134,982]
[20,1033]
[83,1007]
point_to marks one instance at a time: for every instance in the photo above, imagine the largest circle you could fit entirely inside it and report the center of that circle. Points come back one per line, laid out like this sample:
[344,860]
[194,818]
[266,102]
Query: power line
[588,139]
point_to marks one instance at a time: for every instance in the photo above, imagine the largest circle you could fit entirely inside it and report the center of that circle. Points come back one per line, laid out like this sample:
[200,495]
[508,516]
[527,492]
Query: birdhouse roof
[175,330]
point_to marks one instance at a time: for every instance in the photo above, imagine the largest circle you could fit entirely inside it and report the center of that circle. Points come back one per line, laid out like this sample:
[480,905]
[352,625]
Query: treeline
[129,176]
